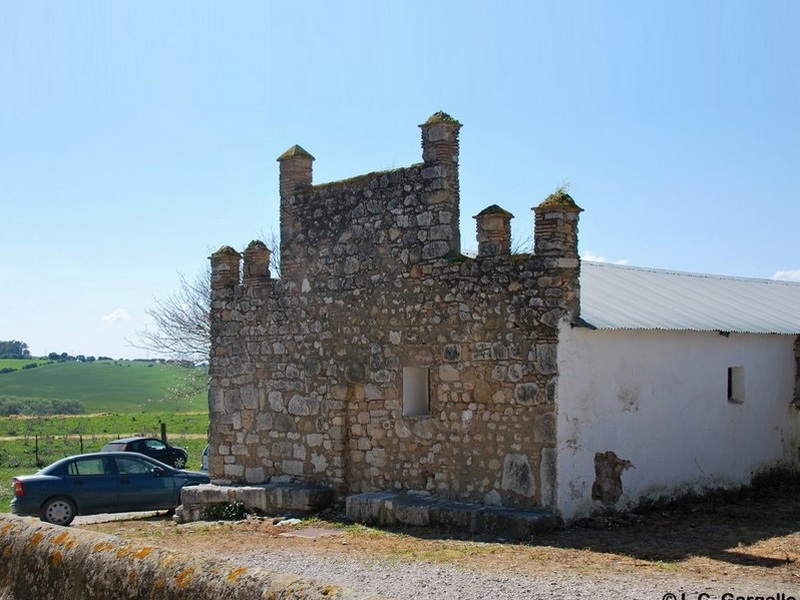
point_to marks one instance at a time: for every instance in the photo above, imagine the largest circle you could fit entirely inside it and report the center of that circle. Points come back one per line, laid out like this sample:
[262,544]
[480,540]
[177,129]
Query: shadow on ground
[754,532]
[722,526]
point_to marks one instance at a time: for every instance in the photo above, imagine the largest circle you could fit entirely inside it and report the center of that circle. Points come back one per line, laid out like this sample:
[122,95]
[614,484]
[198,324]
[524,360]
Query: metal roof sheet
[624,297]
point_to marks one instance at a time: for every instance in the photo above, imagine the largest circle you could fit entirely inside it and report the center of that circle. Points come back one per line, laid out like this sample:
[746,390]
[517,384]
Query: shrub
[229,511]
[9,407]
[35,406]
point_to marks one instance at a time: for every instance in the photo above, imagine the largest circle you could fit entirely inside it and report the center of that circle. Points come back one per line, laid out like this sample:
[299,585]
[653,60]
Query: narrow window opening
[736,385]
[416,391]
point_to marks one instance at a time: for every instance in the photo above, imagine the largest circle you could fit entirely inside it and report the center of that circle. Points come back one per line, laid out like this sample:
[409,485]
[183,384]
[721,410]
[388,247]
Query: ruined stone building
[385,359]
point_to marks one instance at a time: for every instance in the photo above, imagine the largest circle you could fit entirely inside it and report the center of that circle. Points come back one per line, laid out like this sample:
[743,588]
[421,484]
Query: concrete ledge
[268,499]
[422,510]
[46,562]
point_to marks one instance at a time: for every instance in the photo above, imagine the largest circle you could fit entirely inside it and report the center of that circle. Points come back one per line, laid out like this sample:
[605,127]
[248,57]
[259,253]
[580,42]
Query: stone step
[372,508]
[268,499]
[423,510]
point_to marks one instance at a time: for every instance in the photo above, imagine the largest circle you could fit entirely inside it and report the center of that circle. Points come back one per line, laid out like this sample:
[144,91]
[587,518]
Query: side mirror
[158,471]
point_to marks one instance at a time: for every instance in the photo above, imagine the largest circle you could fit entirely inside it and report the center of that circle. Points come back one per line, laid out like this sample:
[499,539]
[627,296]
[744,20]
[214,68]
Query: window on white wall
[736,385]
[416,391]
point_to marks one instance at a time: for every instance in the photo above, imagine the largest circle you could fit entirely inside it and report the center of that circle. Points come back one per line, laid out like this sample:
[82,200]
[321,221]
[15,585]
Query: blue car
[101,482]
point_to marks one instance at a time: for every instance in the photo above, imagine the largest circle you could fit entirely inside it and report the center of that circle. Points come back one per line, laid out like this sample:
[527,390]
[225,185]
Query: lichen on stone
[184,577]
[64,539]
[143,552]
[102,546]
[235,573]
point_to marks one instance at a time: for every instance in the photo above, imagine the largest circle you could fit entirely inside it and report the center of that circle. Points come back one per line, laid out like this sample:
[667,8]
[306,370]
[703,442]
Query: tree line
[17,349]
[14,349]
[65,357]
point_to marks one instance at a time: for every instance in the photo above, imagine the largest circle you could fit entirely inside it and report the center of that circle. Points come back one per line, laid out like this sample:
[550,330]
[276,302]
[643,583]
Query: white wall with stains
[659,400]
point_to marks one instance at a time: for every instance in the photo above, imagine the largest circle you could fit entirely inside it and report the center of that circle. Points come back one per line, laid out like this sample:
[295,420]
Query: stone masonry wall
[47,562]
[307,370]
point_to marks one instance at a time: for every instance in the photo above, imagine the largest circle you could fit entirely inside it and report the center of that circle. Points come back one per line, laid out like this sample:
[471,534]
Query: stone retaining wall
[45,562]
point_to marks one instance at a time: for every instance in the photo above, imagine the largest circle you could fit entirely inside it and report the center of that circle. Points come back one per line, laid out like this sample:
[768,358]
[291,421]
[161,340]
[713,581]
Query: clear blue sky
[138,137]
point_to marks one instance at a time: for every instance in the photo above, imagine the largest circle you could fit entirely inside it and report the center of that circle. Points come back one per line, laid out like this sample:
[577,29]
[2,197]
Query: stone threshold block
[268,499]
[423,510]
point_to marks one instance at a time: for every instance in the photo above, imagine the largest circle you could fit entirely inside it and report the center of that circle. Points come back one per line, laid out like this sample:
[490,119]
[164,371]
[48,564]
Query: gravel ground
[405,578]
[422,581]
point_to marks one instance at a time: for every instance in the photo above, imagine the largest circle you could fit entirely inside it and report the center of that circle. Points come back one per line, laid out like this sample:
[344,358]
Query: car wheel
[179,462]
[58,511]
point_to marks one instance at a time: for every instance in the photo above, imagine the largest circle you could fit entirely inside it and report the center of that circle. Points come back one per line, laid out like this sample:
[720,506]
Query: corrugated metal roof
[624,297]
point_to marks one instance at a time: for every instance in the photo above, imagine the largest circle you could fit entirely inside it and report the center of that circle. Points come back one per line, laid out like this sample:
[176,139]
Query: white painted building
[674,382]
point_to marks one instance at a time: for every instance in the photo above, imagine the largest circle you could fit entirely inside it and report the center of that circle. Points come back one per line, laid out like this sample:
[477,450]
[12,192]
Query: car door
[93,484]
[143,485]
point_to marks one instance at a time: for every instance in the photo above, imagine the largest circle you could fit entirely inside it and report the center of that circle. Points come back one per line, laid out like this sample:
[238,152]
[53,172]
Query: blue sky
[138,137]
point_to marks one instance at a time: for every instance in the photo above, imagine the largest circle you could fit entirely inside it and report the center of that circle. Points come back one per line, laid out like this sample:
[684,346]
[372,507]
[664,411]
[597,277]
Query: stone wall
[308,371]
[47,562]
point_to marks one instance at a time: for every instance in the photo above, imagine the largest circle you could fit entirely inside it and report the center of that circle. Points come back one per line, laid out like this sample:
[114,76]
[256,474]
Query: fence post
[164,432]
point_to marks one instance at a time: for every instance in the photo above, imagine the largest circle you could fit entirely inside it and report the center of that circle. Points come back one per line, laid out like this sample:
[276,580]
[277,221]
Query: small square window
[416,391]
[736,385]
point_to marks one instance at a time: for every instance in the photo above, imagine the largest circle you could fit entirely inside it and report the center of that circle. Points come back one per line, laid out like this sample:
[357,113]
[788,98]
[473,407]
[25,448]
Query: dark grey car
[152,447]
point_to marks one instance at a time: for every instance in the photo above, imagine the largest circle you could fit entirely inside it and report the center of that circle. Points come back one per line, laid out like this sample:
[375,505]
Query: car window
[155,445]
[88,466]
[59,469]
[133,466]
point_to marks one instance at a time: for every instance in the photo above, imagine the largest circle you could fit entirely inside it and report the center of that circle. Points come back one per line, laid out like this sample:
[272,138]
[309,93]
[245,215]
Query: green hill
[110,386]
[19,363]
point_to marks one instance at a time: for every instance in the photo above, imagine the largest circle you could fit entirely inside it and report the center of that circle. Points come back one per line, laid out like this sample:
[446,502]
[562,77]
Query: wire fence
[36,450]
[40,450]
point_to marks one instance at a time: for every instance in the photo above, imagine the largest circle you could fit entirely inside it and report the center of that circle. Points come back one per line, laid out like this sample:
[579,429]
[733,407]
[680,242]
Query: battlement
[390,221]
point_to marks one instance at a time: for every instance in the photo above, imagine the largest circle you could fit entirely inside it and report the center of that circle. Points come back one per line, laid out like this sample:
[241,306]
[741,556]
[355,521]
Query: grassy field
[122,398]
[18,363]
[108,386]
[117,424]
